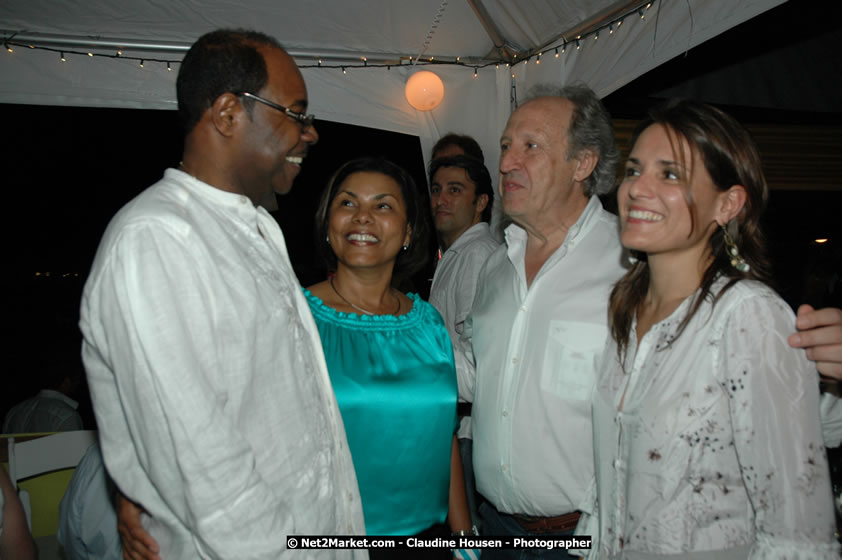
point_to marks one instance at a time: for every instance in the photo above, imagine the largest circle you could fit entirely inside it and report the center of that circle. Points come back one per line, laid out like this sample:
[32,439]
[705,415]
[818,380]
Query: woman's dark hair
[417,214]
[222,61]
[731,158]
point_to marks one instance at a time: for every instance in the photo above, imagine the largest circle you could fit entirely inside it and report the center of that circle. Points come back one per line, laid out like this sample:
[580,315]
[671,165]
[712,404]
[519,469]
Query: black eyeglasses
[306,121]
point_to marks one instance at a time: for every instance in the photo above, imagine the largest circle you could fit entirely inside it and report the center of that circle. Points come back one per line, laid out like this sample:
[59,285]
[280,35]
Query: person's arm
[154,308]
[15,540]
[820,333]
[773,401]
[458,516]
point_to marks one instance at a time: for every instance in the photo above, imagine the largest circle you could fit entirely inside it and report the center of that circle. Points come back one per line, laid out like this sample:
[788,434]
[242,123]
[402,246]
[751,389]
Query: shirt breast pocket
[573,349]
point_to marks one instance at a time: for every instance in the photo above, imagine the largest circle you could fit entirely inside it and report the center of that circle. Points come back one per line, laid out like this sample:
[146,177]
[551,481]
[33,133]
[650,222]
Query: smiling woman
[704,418]
[388,354]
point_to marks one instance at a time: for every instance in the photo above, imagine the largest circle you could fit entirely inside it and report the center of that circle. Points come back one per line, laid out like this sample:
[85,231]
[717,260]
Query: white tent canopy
[466,38]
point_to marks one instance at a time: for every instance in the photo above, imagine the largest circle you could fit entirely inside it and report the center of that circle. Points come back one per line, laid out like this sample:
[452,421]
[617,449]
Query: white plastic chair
[31,456]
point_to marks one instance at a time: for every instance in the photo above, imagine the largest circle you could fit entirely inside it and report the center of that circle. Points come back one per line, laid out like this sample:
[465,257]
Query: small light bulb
[62,58]
[90,54]
[141,63]
[169,68]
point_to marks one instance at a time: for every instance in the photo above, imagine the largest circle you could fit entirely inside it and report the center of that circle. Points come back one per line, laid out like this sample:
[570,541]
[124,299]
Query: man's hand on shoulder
[820,333]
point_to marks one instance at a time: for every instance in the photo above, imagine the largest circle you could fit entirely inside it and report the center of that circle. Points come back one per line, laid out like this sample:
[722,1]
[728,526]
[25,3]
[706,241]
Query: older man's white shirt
[208,380]
[535,350]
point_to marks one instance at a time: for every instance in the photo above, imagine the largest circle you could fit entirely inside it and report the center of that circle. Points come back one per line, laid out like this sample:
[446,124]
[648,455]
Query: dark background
[68,170]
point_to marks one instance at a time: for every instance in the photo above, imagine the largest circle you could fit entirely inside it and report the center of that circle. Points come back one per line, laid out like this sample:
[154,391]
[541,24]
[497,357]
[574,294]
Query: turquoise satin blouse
[396,387]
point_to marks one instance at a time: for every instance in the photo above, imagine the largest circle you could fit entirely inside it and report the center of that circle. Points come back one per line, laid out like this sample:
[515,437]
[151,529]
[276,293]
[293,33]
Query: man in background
[461,199]
[452,144]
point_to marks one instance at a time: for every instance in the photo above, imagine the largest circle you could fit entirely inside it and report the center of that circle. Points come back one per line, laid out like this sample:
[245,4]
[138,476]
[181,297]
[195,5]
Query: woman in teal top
[388,354]
[396,388]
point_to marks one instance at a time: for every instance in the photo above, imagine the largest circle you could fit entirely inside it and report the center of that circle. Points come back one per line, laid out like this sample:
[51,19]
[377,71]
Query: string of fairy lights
[555,49]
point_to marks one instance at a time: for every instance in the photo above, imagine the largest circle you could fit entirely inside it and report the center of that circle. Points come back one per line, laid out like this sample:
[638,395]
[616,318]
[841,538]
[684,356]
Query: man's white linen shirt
[535,350]
[452,294]
[208,381]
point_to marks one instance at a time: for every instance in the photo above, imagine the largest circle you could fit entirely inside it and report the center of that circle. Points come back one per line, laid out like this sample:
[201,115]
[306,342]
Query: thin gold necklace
[360,309]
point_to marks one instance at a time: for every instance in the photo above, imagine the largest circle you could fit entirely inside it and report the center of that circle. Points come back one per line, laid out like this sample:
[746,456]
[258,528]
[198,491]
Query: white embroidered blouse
[717,451]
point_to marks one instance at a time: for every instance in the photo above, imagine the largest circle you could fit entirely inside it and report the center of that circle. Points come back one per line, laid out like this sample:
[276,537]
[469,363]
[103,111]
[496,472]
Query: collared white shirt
[452,294]
[208,381]
[48,411]
[718,444]
[535,350]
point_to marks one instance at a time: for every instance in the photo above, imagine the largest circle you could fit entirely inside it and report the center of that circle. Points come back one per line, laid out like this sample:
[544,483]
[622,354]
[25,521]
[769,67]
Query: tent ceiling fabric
[474,104]
[390,27]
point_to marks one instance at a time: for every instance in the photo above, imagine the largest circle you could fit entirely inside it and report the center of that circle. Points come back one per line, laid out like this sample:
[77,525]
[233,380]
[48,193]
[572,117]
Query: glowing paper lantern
[424,90]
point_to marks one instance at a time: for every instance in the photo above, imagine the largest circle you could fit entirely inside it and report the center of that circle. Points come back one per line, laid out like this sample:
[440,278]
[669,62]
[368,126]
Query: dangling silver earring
[733,251]
[405,247]
[327,239]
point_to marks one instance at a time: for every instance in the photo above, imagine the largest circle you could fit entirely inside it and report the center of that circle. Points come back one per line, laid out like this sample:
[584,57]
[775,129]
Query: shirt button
[515,360]
[505,413]
[523,308]
[243,200]
[618,463]
[504,468]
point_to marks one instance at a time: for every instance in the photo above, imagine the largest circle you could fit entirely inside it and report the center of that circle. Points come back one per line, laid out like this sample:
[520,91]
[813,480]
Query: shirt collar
[517,235]
[476,230]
